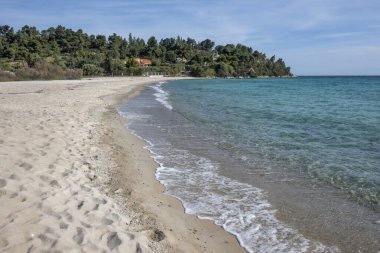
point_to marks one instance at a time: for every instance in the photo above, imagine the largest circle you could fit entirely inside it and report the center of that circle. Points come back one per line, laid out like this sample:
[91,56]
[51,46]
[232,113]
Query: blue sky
[314,37]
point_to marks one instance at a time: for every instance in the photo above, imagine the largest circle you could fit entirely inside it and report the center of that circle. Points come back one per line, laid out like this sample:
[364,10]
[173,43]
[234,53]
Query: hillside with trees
[63,53]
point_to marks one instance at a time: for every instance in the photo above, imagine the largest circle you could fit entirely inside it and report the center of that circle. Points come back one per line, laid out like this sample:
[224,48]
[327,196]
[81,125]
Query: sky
[314,37]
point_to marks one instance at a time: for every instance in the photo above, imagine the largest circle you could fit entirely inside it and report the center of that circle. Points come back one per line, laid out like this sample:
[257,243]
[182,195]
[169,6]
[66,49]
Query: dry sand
[73,179]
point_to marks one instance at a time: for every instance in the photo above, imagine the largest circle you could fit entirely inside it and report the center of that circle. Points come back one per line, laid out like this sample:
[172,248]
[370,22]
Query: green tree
[206,45]
[225,70]
[171,57]
[91,70]
[113,55]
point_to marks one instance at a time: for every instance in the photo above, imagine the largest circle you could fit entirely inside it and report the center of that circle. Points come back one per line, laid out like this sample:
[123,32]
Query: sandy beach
[74,179]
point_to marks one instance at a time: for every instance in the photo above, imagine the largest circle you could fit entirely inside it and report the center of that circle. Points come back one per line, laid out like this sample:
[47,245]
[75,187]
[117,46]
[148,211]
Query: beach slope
[73,179]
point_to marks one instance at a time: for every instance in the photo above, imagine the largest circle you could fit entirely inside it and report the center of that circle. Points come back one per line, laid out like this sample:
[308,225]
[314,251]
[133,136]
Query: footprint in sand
[113,240]
[106,221]
[63,225]
[3,183]
[96,207]
[22,188]
[14,177]
[47,240]
[26,166]
[44,178]
[3,243]
[85,225]
[80,205]
[68,216]
[13,195]
[138,248]
[84,188]
[78,238]
[54,183]
[3,193]
[115,216]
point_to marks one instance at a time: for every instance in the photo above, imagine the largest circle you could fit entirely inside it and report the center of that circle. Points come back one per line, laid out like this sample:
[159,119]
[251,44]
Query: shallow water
[287,165]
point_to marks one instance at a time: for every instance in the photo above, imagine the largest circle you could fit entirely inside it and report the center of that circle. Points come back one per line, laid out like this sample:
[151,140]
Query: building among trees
[28,49]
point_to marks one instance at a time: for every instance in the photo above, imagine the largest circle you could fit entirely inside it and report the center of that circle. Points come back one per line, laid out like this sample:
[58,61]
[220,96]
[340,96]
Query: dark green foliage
[206,45]
[91,70]
[26,50]
[225,70]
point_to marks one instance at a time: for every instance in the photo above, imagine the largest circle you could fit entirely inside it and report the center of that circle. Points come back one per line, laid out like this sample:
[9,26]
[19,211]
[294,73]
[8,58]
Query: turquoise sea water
[233,150]
[326,127]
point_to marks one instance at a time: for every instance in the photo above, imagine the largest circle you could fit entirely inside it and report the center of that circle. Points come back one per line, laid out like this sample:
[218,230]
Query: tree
[113,55]
[91,70]
[152,42]
[206,45]
[152,48]
[171,57]
[225,70]
[8,52]
[191,42]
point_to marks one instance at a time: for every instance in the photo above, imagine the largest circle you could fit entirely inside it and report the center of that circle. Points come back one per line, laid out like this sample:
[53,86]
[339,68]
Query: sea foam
[240,208]
[161,95]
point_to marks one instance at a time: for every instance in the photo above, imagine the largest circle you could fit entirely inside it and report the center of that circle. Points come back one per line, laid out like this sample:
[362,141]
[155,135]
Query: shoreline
[294,209]
[71,181]
[184,232]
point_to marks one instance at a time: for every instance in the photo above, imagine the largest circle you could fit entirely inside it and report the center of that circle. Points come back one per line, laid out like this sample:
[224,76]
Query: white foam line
[161,95]
[239,208]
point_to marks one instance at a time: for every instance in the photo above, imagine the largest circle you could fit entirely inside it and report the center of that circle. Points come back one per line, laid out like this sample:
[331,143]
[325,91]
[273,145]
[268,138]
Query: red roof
[145,62]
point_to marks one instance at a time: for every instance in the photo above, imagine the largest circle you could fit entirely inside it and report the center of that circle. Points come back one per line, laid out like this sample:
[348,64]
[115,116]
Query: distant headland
[61,53]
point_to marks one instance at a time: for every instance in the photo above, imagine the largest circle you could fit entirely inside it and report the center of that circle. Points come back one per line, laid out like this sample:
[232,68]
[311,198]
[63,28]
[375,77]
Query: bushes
[225,70]
[91,70]
[7,76]
[73,74]
[27,74]
[201,71]
[135,71]
[41,71]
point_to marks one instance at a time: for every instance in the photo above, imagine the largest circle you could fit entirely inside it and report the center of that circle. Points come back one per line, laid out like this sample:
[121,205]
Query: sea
[284,164]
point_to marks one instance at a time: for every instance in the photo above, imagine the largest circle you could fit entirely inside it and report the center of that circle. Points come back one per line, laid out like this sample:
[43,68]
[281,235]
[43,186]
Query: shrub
[91,70]
[47,71]
[27,73]
[7,76]
[73,74]
[135,71]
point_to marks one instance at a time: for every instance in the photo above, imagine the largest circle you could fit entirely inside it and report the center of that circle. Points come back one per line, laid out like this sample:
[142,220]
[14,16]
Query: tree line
[94,55]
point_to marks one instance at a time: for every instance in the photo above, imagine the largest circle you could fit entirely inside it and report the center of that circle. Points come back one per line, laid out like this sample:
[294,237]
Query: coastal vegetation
[60,52]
